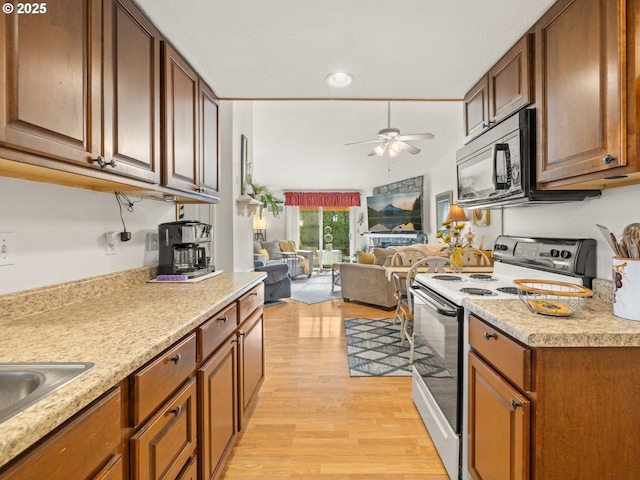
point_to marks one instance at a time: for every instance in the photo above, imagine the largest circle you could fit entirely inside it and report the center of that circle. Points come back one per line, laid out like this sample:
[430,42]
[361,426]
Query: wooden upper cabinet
[579,88]
[209,145]
[476,109]
[50,100]
[504,90]
[181,135]
[510,81]
[131,91]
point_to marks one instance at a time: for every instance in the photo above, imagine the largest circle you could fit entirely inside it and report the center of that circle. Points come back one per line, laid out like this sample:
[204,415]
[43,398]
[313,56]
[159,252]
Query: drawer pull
[176,411]
[254,294]
[515,404]
[176,359]
[223,319]
[489,336]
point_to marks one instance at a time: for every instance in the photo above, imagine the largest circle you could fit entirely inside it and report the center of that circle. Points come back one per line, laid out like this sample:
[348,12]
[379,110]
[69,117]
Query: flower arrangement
[452,235]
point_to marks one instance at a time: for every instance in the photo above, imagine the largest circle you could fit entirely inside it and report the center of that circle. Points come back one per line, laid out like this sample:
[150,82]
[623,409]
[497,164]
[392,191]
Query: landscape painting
[400,212]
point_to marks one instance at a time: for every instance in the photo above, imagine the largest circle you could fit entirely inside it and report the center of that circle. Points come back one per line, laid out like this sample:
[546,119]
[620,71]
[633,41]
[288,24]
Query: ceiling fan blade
[416,136]
[360,143]
[372,153]
[408,147]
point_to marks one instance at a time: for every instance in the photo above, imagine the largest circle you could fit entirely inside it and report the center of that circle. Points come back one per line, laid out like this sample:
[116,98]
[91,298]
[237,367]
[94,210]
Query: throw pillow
[382,256]
[257,246]
[366,258]
[264,253]
[273,248]
[287,245]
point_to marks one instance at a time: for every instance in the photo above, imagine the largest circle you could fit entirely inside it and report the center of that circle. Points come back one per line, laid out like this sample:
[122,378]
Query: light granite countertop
[119,331]
[594,326]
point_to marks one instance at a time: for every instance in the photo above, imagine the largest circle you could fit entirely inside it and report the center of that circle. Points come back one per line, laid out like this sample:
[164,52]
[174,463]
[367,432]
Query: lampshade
[394,149]
[259,223]
[457,214]
[380,149]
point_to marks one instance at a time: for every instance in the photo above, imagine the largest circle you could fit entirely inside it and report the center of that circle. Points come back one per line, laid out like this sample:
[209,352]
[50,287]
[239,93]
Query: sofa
[368,281]
[299,262]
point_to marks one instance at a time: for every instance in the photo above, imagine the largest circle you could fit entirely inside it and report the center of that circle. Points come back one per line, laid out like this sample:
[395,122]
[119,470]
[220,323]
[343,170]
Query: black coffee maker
[184,248]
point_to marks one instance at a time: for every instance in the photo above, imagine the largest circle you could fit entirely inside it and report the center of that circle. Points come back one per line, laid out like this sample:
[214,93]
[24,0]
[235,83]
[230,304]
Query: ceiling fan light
[380,149]
[394,149]
[339,79]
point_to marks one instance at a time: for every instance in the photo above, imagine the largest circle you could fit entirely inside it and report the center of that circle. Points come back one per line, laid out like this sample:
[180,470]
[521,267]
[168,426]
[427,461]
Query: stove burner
[449,278]
[482,276]
[477,291]
[510,290]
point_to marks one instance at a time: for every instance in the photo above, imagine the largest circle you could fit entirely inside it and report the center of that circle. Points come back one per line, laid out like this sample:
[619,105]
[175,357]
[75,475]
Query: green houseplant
[266,199]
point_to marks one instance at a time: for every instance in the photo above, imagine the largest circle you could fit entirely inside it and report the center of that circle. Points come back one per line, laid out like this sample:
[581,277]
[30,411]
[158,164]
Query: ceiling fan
[390,139]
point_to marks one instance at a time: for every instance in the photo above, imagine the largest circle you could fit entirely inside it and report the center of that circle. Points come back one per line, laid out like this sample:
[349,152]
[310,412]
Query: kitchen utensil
[610,238]
[632,230]
[548,297]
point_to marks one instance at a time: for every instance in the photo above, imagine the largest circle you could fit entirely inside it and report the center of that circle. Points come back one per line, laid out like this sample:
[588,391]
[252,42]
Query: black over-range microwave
[498,168]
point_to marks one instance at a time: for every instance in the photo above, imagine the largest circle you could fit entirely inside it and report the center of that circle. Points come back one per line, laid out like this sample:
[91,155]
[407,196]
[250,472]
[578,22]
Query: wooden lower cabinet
[89,447]
[251,365]
[576,419]
[217,379]
[190,470]
[162,447]
[499,423]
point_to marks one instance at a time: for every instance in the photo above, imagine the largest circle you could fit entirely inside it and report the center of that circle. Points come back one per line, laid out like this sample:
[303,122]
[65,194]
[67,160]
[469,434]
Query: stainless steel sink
[23,384]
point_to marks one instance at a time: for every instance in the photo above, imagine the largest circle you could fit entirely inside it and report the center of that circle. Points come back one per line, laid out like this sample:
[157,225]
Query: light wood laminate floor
[313,421]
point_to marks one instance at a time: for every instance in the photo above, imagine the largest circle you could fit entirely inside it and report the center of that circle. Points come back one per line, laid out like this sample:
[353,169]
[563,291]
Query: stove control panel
[562,255]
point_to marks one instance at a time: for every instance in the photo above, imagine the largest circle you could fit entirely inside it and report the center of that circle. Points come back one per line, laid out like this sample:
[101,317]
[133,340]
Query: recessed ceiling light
[339,79]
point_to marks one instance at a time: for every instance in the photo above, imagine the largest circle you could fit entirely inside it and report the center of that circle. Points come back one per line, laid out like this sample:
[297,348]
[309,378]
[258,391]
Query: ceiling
[273,51]
[284,49]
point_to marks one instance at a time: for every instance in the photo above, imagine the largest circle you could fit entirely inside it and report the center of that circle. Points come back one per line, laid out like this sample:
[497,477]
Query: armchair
[300,262]
[278,283]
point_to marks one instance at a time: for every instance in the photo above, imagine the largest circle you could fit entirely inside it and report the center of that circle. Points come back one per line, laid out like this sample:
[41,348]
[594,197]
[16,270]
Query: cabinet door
[217,380]
[476,109]
[499,426]
[162,447]
[510,85]
[88,447]
[579,89]
[209,149]
[251,335]
[181,162]
[50,98]
[131,92]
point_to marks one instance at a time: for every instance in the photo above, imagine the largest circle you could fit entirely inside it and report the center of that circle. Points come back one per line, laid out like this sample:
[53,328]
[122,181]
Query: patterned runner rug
[374,350]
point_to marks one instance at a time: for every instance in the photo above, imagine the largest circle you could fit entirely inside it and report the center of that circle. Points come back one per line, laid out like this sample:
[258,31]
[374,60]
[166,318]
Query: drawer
[164,445]
[250,301]
[511,359]
[156,382]
[214,331]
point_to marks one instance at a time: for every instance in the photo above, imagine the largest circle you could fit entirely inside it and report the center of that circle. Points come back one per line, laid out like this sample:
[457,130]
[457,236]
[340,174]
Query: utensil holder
[626,288]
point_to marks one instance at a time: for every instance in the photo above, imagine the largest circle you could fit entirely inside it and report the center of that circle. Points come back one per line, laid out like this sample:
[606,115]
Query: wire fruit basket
[557,299]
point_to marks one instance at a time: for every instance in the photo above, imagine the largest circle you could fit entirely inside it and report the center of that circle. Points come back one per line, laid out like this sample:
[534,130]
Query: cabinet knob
[99,160]
[112,163]
[176,411]
[489,336]
[223,319]
[176,359]
[515,404]
[607,159]
[487,124]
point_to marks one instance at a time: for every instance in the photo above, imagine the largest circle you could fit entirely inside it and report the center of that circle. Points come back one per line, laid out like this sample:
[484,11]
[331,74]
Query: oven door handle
[503,147]
[429,302]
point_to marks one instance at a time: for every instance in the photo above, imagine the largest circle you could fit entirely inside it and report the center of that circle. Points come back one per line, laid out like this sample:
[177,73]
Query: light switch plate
[7,248]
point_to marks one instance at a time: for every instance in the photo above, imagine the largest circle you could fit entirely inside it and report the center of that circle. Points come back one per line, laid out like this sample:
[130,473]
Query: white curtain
[292,223]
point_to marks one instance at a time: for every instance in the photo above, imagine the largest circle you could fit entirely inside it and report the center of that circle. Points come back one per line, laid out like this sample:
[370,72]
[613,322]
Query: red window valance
[322,199]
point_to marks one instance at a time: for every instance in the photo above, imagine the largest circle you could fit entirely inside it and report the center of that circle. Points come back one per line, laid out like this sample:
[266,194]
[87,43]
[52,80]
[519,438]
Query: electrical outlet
[7,248]
[152,242]
[112,239]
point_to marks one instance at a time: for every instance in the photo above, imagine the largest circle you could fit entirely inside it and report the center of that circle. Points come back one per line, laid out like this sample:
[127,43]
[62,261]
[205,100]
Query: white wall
[59,233]
[616,208]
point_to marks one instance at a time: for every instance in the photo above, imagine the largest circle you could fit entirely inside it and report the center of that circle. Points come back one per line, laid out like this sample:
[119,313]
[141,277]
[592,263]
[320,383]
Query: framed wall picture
[481,218]
[246,166]
[443,202]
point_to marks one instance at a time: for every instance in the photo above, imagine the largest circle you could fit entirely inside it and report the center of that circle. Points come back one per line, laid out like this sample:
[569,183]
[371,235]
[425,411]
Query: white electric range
[439,323]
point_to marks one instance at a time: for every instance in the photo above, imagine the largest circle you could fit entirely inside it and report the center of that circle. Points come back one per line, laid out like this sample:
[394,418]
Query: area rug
[314,290]
[374,350]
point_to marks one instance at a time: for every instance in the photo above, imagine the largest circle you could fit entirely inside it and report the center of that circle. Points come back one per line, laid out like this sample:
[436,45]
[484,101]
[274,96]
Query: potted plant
[266,199]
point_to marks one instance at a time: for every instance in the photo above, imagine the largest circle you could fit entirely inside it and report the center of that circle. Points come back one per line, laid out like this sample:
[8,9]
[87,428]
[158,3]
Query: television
[395,213]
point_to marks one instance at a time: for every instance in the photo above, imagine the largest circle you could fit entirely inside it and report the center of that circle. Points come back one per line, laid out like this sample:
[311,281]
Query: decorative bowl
[547,297]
